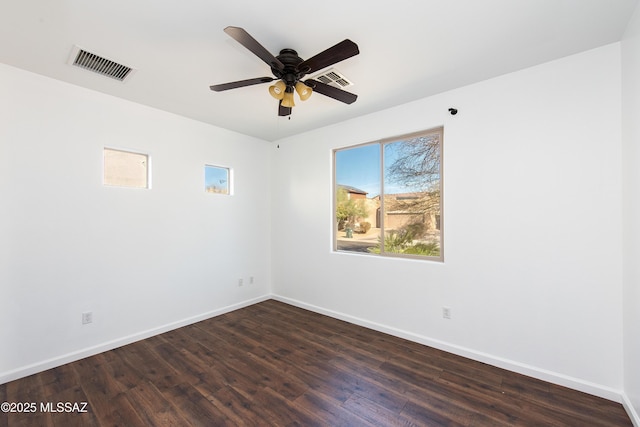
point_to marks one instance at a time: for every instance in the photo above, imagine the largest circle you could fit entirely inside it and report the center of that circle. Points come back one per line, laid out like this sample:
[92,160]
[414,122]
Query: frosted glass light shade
[287,100]
[277,90]
[304,91]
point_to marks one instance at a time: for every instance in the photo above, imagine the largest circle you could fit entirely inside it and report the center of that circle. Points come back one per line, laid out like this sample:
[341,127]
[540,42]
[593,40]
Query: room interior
[541,185]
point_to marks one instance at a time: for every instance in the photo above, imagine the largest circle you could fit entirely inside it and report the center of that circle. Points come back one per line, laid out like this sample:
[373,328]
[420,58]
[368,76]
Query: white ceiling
[408,49]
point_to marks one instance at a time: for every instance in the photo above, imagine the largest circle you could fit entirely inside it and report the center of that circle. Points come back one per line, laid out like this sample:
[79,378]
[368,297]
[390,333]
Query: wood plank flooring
[272,364]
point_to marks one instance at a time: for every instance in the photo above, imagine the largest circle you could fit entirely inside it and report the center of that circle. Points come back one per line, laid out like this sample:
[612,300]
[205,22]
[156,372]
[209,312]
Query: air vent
[333,77]
[96,63]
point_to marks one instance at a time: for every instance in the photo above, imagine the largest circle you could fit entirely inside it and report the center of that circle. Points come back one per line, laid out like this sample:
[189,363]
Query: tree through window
[388,197]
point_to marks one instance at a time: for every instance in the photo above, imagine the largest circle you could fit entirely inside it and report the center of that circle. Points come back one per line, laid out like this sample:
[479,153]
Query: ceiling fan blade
[283,111]
[245,39]
[343,50]
[240,83]
[332,92]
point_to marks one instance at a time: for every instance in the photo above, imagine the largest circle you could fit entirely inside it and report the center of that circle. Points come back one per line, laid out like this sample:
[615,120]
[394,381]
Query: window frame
[382,144]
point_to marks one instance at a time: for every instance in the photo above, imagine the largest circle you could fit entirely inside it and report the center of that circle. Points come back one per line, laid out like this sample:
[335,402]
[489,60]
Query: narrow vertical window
[401,214]
[125,169]
[217,180]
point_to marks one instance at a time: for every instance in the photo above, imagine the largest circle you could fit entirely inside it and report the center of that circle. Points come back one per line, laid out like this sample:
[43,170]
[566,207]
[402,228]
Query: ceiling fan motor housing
[290,74]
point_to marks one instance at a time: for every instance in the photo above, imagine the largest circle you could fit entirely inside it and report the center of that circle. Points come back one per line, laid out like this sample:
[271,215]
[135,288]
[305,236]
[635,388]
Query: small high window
[217,180]
[126,169]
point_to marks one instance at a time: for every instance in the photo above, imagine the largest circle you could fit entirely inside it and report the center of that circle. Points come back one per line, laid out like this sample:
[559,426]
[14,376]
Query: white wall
[142,261]
[631,193]
[532,217]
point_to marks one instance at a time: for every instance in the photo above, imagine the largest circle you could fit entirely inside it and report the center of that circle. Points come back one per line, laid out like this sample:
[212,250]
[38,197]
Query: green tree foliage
[425,249]
[347,210]
[402,242]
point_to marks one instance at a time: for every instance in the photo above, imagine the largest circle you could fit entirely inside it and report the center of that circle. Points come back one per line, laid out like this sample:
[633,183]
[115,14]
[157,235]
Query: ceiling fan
[289,70]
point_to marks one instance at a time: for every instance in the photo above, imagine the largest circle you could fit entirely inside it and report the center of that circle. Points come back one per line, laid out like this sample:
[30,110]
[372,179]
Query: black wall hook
[453,111]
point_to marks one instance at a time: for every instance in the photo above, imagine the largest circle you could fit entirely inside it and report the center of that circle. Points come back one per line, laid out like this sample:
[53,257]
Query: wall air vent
[333,77]
[96,63]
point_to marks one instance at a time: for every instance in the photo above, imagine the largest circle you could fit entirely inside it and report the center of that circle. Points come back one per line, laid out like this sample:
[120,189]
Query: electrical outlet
[87,317]
[446,312]
[240,282]
[251,280]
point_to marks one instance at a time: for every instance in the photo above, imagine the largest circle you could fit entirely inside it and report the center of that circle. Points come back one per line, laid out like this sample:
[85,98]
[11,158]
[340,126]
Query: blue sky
[360,167]
[216,176]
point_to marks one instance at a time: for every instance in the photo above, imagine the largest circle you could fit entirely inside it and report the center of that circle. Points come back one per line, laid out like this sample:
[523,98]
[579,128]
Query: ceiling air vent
[96,63]
[333,77]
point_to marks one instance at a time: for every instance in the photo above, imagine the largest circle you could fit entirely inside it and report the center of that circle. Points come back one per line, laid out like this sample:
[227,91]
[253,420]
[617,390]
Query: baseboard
[628,406]
[25,371]
[521,368]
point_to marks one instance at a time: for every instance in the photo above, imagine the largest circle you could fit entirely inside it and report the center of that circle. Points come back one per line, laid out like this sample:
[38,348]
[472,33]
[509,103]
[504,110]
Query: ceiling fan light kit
[289,69]
[277,90]
[304,91]
[287,100]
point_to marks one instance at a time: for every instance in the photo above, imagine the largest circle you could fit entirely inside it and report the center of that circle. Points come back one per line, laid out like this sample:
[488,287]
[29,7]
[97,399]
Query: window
[388,197]
[217,180]
[126,169]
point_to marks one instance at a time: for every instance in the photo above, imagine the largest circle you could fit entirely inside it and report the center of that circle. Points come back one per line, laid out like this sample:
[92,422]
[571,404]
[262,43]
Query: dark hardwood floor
[274,364]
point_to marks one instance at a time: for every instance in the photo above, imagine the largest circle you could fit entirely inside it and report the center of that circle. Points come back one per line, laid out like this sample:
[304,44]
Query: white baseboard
[521,368]
[633,414]
[34,368]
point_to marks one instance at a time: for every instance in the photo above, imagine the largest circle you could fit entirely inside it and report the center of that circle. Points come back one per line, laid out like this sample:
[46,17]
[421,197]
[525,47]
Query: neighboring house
[410,208]
[354,193]
[402,209]
[371,205]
